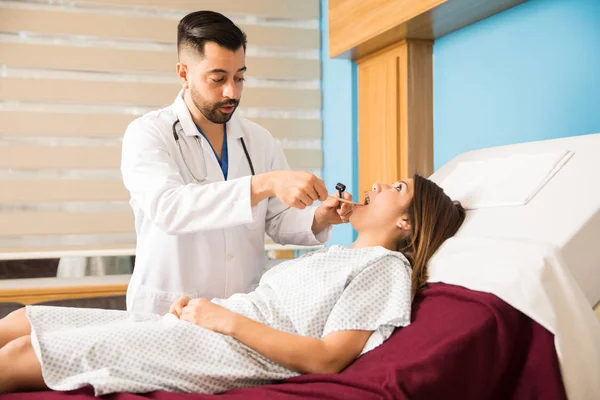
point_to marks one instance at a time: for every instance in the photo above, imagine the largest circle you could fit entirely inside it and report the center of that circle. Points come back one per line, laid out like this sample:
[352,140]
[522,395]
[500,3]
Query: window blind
[75,73]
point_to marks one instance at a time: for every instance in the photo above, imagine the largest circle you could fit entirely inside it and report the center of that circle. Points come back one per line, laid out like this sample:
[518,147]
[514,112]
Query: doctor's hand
[296,189]
[330,212]
[177,306]
[209,315]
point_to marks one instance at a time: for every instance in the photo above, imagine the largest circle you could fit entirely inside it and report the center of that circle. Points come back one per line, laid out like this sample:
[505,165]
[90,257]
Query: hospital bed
[532,238]
[508,311]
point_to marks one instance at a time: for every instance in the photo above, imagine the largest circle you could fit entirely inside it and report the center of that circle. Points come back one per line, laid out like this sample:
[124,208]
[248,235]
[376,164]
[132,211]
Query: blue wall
[340,125]
[529,73]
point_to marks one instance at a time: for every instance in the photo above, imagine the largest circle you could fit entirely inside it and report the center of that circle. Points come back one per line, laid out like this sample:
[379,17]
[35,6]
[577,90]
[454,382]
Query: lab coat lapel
[234,147]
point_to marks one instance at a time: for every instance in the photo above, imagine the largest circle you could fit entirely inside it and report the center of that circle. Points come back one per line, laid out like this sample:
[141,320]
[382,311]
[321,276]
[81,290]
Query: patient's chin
[351,219]
[355,220]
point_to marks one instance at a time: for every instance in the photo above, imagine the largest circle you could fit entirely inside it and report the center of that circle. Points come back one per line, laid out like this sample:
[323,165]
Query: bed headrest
[558,204]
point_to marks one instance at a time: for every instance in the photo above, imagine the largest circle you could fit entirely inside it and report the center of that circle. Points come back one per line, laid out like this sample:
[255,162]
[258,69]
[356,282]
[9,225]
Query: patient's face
[384,206]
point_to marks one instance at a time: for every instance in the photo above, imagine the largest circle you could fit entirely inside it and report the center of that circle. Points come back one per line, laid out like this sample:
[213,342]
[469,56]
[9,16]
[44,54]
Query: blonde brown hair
[434,217]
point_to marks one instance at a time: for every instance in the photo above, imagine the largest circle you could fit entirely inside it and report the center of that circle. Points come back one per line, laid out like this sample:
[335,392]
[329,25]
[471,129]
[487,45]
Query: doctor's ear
[182,73]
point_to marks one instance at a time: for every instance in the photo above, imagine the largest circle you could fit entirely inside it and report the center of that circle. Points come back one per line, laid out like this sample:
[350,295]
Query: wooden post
[395,113]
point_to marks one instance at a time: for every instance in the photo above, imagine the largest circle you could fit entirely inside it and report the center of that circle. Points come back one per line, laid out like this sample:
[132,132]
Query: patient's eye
[398,186]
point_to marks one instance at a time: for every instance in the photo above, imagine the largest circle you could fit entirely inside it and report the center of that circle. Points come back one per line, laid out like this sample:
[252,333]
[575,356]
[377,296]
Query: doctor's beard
[212,111]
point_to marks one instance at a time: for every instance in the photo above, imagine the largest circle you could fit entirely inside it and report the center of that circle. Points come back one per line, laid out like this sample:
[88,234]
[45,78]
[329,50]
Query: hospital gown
[333,289]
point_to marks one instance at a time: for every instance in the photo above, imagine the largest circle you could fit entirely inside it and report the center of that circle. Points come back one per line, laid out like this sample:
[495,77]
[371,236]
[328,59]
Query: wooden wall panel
[352,22]
[416,108]
[395,114]
[358,28]
[378,120]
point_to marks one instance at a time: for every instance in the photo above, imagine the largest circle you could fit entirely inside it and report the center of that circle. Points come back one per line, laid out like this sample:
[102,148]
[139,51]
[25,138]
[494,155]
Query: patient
[313,314]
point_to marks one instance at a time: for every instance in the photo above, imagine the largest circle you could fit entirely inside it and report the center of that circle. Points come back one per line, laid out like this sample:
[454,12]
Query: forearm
[299,353]
[319,223]
[292,226]
[319,226]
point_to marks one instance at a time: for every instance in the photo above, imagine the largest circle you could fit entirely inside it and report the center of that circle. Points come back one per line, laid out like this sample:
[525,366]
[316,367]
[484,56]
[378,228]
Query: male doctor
[206,184]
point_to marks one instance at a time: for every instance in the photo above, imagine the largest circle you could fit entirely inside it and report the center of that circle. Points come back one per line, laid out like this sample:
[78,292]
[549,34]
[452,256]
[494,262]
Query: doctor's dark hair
[199,27]
[434,217]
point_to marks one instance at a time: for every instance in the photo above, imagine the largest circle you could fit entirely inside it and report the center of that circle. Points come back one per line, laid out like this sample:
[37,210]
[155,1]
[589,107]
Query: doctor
[206,184]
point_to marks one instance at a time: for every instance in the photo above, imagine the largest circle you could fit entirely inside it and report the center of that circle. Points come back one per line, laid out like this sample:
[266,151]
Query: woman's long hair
[434,217]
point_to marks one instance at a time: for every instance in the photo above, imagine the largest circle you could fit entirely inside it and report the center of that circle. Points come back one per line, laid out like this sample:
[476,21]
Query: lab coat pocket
[152,300]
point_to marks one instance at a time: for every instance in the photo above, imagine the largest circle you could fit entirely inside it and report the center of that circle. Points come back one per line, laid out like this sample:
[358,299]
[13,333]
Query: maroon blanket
[461,345]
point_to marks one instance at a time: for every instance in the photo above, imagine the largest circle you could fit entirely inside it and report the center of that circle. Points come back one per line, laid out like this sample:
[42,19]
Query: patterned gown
[333,289]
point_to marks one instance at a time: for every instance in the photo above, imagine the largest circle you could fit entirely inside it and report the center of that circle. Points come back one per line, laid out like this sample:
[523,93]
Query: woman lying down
[313,314]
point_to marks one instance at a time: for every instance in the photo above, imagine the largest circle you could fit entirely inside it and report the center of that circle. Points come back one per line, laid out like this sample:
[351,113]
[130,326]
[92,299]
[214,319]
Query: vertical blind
[74,73]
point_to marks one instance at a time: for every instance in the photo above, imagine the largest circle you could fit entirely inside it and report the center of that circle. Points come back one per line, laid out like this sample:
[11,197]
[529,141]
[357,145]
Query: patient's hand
[209,315]
[177,306]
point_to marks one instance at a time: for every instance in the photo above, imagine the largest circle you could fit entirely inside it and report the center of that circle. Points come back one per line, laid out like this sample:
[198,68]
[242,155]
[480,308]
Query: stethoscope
[205,178]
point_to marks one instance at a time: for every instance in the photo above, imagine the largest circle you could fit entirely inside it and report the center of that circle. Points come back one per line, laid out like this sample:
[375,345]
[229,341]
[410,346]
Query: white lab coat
[201,239]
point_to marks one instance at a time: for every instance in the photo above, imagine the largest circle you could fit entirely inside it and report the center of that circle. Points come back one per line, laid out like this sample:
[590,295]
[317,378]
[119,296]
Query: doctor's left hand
[208,315]
[330,213]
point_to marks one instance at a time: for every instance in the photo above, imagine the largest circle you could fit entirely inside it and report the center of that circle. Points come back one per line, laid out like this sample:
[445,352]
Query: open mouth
[367,199]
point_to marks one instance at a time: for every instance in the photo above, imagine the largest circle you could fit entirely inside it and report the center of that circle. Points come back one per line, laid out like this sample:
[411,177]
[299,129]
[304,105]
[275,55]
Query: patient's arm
[304,354]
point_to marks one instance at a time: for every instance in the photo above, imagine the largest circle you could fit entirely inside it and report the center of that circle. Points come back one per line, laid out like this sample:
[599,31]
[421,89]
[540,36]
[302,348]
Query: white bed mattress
[564,213]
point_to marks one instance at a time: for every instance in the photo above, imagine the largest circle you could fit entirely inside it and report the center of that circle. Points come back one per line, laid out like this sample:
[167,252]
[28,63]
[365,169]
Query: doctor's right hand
[296,188]
[178,305]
